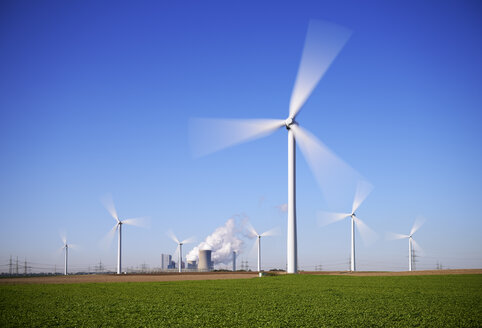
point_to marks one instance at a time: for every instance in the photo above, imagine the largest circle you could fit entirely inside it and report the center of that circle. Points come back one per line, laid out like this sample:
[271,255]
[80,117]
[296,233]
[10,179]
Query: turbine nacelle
[288,122]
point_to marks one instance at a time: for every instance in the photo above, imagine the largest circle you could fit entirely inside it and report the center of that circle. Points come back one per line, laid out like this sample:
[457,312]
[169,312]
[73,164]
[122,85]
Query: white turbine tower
[179,247]
[109,205]
[411,242]
[65,249]
[254,233]
[363,189]
[323,43]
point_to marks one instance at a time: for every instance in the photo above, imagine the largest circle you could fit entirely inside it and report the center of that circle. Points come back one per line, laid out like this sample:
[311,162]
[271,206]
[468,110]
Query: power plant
[205,263]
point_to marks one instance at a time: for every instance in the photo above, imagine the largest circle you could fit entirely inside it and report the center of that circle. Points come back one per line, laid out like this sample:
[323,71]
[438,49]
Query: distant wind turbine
[323,43]
[140,222]
[65,248]
[325,218]
[412,244]
[253,233]
[179,247]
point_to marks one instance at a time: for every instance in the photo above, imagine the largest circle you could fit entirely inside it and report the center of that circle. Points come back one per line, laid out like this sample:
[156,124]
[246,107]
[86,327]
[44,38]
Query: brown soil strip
[398,273]
[103,278]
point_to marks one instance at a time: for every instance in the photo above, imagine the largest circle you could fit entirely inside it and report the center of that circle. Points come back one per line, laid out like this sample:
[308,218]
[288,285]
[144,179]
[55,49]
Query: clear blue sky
[96,97]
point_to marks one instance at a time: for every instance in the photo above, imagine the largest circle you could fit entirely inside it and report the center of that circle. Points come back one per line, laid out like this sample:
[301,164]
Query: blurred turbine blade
[108,203]
[326,218]
[210,135]
[367,234]
[107,239]
[173,236]
[74,246]
[64,239]
[416,246]
[323,42]
[138,222]
[272,232]
[176,254]
[419,221]
[251,231]
[333,175]
[394,236]
[362,191]
[254,249]
[189,240]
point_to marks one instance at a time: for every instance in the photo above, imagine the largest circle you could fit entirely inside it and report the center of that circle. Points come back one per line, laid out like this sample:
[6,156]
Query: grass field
[282,301]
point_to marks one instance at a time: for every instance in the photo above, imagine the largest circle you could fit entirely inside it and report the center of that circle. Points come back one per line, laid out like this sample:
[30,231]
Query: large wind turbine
[258,236]
[179,247]
[109,205]
[411,242]
[323,43]
[363,189]
[65,248]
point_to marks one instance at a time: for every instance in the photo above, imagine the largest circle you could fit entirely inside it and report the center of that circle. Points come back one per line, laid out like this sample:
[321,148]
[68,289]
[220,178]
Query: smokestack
[234,261]
[204,260]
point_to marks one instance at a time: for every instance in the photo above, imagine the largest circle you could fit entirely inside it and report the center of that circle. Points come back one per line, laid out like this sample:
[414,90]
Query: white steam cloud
[223,242]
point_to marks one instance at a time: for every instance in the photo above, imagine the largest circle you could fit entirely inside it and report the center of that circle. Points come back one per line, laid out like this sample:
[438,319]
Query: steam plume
[223,242]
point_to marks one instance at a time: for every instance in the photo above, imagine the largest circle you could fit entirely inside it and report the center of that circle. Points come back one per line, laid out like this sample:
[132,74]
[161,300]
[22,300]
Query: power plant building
[167,262]
[205,263]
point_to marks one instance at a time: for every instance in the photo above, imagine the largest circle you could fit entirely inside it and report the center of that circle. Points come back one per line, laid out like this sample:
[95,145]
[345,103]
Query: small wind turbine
[411,242]
[179,247]
[323,43]
[65,248]
[109,205]
[363,189]
[254,233]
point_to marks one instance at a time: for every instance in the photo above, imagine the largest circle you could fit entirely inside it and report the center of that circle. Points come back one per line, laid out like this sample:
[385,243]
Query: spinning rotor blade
[419,221]
[326,218]
[322,44]
[107,239]
[210,135]
[252,232]
[189,240]
[254,249]
[272,232]
[173,237]
[138,222]
[417,246]
[176,254]
[367,234]
[362,191]
[333,175]
[393,236]
[109,206]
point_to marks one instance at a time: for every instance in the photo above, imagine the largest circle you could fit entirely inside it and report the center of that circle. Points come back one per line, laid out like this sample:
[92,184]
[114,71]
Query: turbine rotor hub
[288,122]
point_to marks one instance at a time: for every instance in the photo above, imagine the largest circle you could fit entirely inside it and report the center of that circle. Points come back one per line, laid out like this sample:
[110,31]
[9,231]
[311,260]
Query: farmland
[299,300]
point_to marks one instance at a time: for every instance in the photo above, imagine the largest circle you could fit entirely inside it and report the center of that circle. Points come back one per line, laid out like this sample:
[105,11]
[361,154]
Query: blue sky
[96,98]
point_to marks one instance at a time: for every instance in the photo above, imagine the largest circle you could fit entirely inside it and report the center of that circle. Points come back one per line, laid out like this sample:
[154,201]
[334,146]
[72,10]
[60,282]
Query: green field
[283,301]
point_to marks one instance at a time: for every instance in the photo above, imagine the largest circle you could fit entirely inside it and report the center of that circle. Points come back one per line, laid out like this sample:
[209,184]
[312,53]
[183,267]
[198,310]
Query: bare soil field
[396,273]
[102,278]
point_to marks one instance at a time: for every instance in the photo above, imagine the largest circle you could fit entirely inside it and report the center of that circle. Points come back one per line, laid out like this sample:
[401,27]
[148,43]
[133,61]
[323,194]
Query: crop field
[278,301]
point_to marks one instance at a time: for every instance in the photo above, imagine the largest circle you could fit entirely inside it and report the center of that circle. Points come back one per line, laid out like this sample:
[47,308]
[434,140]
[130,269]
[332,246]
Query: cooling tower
[204,260]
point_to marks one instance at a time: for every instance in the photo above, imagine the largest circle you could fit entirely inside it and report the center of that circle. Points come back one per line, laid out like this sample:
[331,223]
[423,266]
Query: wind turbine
[65,248]
[109,205]
[254,233]
[179,247]
[411,242]
[363,189]
[323,43]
